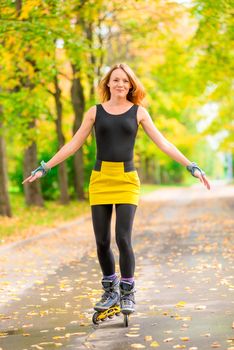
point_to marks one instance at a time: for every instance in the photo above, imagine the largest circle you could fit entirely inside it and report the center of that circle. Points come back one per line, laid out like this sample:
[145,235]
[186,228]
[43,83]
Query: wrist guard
[192,167]
[45,170]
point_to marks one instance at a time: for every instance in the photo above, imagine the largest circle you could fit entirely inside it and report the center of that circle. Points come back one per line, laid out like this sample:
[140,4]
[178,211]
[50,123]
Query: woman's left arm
[147,123]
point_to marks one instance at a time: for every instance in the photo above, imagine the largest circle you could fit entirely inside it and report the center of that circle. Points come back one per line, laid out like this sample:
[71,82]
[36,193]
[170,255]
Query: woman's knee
[123,241]
[103,245]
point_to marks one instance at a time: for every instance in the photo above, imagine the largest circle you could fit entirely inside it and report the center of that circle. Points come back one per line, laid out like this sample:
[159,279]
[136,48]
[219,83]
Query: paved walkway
[183,244]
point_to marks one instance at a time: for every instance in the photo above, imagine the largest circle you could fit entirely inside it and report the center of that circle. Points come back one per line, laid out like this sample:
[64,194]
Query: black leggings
[101,216]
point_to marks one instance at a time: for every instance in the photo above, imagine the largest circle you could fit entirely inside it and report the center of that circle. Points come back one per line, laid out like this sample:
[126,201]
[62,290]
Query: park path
[183,240]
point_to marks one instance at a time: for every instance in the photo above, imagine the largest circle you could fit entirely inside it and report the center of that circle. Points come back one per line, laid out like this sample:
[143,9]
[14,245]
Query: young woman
[114,179]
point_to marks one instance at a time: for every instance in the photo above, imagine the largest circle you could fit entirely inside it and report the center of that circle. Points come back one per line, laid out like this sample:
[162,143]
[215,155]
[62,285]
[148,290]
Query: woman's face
[119,83]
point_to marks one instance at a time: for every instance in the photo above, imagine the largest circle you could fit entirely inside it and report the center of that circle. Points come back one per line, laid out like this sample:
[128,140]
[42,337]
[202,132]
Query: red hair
[136,93]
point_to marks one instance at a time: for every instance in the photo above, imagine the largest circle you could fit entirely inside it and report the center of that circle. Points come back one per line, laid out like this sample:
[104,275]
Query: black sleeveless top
[115,134]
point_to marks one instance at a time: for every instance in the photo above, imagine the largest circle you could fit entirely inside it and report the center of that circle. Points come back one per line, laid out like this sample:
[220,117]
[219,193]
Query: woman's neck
[112,102]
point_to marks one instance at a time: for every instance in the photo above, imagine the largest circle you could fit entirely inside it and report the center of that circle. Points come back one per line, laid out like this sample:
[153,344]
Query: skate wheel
[125,320]
[95,318]
[117,314]
[110,317]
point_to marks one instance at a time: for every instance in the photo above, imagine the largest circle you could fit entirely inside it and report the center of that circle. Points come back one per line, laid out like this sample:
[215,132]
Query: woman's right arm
[73,145]
[77,141]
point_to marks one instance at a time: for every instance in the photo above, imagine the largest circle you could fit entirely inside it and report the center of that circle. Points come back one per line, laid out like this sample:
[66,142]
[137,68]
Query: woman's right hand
[32,178]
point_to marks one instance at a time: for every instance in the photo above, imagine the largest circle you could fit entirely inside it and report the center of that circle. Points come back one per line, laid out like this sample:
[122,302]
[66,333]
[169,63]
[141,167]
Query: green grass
[147,188]
[28,221]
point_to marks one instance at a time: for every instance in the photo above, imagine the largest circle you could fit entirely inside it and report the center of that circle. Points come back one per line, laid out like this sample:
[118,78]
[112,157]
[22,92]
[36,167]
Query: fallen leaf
[27,325]
[215,345]
[59,328]
[184,338]
[58,337]
[168,339]
[137,346]
[200,307]
[3,334]
[132,335]
[148,338]
[181,304]
[154,344]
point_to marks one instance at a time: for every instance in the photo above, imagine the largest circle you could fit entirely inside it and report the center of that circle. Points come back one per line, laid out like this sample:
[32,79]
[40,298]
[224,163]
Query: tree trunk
[77,97]
[33,195]
[62,169]
[18,6]
[5,208]
[32,190]
[92,60]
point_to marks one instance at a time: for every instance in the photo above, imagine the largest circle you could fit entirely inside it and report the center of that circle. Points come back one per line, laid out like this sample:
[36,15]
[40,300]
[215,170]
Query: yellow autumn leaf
[3,334]
[58,337]
[181,304]
[184,338]
[154,344]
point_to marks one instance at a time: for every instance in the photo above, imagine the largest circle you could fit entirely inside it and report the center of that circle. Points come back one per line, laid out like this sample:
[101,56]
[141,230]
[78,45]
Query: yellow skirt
[113,185]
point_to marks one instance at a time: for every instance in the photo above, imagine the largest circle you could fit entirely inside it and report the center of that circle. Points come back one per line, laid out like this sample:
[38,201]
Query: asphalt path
[183,242]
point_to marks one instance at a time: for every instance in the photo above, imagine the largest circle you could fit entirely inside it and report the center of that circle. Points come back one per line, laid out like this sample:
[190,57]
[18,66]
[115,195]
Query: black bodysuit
[115,134]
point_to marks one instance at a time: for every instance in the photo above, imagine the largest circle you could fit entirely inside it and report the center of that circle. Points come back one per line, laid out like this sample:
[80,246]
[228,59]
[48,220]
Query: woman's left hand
[202,178]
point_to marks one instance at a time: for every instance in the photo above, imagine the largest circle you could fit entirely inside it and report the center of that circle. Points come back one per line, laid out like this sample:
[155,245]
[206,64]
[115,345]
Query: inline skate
[108,306]
[127,299]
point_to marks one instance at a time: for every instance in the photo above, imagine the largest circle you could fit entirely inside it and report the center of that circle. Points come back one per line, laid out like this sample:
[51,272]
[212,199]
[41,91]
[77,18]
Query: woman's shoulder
[142,114]
[91,112]
[141,109]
